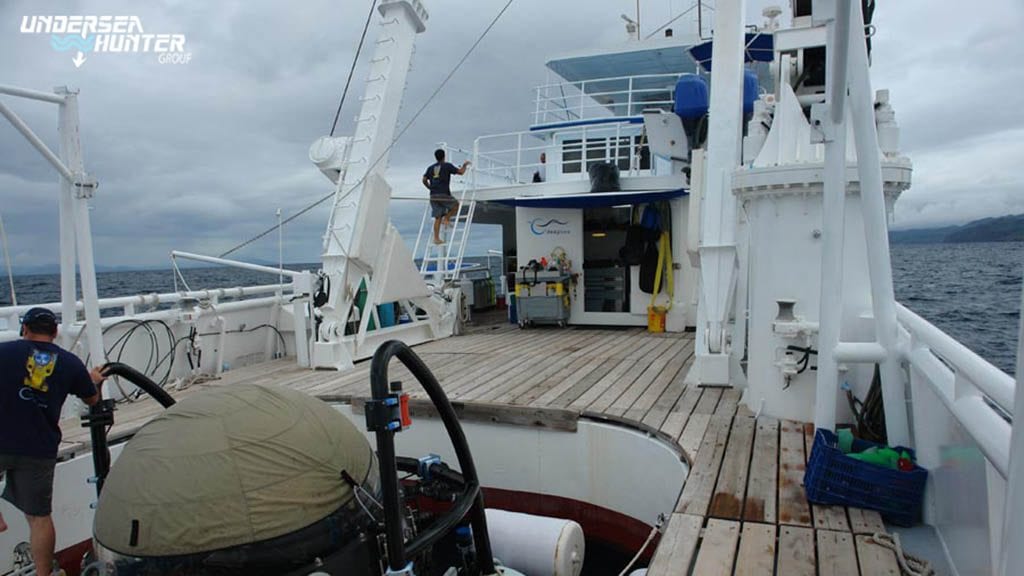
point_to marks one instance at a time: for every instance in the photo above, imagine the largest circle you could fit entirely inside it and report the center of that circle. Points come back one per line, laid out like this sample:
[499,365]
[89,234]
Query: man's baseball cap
[40,318]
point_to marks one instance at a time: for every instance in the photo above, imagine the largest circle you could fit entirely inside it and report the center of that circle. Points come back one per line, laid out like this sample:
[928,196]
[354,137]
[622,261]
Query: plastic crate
[834,478]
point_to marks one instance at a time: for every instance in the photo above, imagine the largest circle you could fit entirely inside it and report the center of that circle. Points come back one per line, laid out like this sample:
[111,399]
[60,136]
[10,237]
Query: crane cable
[351,71]
[389,147]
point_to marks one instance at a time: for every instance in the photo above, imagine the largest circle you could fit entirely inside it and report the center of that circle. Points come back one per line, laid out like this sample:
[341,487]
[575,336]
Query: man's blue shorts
[441,204]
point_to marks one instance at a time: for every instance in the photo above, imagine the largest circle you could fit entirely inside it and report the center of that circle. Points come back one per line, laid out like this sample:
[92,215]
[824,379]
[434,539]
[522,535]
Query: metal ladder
[443,262]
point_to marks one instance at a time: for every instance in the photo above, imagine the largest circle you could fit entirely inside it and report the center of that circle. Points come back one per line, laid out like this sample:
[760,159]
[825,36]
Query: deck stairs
[440,263]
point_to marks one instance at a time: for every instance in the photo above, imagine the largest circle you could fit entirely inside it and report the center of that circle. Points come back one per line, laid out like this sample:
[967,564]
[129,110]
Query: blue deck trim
[594,200]
[590,122]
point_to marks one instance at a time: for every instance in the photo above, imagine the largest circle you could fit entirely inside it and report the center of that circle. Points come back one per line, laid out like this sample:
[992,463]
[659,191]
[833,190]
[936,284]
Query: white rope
[909,565]
[650,538]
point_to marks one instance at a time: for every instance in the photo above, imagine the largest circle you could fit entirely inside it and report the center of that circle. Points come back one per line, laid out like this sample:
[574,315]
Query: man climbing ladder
[437,179]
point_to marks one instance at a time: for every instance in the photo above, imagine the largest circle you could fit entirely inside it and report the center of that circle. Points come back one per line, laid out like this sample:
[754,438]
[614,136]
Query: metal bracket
[85,186]
[822,128]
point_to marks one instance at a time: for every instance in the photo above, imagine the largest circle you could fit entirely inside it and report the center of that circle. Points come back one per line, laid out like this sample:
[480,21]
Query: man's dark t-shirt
[35,379]
[439,177]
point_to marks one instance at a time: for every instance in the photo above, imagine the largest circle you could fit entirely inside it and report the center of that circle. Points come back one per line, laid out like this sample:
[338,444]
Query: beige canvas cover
[229,466]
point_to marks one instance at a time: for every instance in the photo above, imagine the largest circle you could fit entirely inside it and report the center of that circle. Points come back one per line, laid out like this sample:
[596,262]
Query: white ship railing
[512,157]
[130,306]
[603,97]
[977,394]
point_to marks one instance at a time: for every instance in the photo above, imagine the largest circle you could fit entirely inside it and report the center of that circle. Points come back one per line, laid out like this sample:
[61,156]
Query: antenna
[632,28]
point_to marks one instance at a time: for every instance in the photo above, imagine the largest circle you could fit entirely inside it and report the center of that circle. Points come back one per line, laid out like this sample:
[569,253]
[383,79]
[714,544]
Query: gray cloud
[199,156]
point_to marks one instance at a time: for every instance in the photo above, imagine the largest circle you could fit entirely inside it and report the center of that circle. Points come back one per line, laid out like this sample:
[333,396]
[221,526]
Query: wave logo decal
[540,227]
[87,35]
[72,42]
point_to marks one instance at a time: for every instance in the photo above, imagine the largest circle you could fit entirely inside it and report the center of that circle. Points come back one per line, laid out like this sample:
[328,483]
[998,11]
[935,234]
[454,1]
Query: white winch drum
[536,545]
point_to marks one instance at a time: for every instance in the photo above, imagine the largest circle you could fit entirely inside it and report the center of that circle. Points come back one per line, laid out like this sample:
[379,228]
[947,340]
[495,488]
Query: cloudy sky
[200,156]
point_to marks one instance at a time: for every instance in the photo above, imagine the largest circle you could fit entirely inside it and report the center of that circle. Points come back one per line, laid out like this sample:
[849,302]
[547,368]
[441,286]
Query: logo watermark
[106,34]
[540,227]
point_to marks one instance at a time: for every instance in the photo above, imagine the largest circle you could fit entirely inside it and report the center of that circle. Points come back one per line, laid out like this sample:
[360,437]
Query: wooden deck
[742,509]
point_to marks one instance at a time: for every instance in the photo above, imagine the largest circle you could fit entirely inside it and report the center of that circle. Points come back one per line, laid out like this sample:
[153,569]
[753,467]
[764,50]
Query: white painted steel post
[1012,556]
[80,193]
[718,225]
[833,125]
[8,263]
[872,201]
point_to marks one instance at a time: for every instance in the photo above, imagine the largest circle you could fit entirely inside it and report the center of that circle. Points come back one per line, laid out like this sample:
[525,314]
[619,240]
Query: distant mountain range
[1001,229]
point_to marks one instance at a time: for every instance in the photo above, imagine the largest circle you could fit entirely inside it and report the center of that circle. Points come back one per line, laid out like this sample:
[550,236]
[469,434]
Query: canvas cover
[229,466]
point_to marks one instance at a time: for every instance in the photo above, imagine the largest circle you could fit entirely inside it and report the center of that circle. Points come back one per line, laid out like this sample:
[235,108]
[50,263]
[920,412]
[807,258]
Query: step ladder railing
[443,261]
[419,235]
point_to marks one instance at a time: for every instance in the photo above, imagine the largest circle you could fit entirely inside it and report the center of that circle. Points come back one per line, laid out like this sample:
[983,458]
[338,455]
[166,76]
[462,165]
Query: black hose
[471,500]
[141,380]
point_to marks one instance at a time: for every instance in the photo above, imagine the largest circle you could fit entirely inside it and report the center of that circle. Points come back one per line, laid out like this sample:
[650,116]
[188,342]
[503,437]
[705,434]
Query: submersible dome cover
[229,466]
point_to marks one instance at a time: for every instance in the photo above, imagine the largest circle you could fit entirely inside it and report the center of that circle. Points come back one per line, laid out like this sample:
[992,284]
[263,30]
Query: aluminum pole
[876,233]
[72,148]
[833,221]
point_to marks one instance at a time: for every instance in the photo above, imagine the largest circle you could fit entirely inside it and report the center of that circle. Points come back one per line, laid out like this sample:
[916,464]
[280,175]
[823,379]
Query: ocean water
[971,291]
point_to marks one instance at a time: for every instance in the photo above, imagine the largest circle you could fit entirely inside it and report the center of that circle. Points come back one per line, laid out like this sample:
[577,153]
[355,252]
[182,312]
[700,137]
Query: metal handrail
[552,102]
[993,382]
[588,135]
[973,390]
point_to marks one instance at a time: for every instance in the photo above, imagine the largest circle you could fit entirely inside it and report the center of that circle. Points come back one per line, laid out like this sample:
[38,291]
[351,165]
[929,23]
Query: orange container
[656,318]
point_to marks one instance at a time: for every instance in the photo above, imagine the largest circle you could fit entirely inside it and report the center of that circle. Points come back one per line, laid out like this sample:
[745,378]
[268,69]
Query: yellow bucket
[656,318]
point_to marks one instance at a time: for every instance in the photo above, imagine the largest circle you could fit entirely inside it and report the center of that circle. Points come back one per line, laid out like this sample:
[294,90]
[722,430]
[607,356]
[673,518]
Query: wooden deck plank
[708,401]
[796,551]
[762,488]
[718,548]
[728,403]
[836,554]
[638,408]
[583,385]
[865,521]
[874,559]
[731,488]
[757,550]
[700,483]
[669,397]
[676,550]
[692,436]
[679,415]
[661,356]
[793,508]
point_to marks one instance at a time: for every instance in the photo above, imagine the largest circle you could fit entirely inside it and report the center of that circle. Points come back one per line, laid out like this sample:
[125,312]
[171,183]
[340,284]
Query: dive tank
[244,479]
[536,545]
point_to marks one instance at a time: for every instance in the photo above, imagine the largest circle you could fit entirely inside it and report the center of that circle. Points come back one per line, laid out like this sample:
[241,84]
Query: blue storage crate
[834,478]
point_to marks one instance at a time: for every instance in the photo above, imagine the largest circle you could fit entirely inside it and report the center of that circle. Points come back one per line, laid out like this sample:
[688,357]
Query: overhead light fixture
[599,234]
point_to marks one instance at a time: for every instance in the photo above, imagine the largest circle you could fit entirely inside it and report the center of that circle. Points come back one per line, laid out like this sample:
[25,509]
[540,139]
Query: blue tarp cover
[760,48]
[594,200]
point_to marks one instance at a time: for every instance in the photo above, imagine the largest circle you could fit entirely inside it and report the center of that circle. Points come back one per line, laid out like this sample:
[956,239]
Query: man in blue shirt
[36,377]
[437,179]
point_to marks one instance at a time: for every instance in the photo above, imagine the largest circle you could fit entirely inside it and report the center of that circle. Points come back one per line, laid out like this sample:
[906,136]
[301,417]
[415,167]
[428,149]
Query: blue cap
[42,318]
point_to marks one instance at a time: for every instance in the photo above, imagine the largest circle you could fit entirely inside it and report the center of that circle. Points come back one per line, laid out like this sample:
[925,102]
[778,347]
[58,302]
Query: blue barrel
[691,97]
[387,315]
